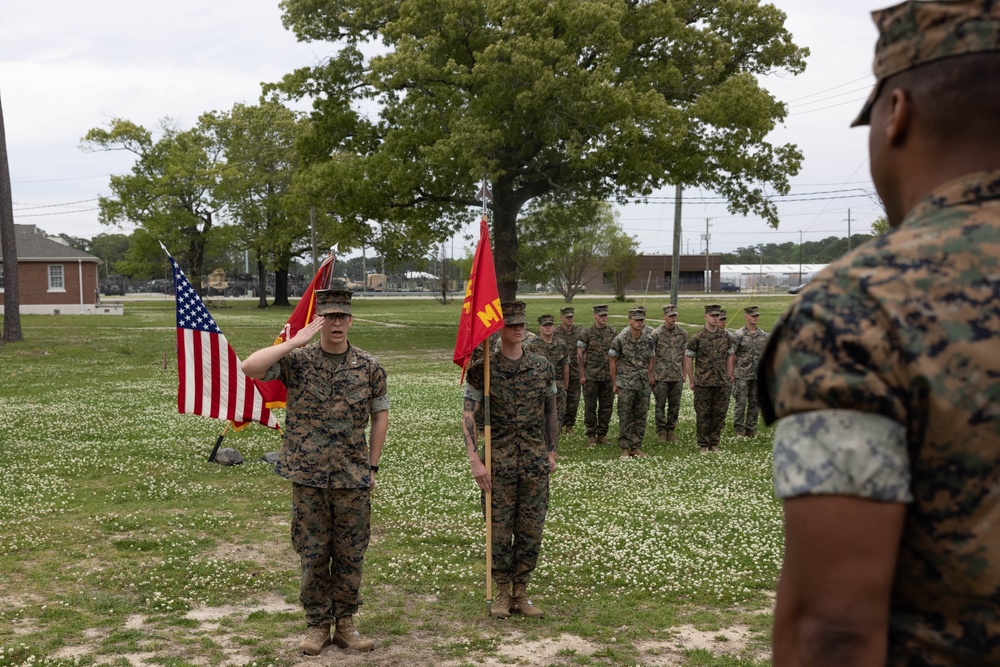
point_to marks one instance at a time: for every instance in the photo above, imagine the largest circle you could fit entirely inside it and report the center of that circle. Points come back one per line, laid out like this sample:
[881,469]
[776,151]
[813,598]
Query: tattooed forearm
[469,424]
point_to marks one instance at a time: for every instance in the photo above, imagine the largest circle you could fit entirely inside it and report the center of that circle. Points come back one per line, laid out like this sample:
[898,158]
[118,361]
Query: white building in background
[765,278]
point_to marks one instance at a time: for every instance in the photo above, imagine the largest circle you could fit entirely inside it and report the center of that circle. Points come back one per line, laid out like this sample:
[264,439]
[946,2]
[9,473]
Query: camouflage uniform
[519,456]
[748,346]
[632,380]
[709,351]
[723,324]
[477,355]
[669,373]
[324,453]
[885,377]
[598,394]
[570,337]
[558,355]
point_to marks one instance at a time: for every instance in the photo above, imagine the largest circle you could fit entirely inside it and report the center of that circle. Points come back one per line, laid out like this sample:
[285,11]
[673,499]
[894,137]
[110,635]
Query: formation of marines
[641,362]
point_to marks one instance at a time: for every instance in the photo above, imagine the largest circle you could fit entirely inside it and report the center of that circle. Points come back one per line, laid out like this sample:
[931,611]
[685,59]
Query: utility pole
[800,256]
[848,230]
[760,270]
[708,272]
[675,264]
[312,228]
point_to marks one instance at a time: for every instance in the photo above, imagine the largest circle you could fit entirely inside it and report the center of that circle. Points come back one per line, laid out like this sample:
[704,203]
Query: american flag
[211,380]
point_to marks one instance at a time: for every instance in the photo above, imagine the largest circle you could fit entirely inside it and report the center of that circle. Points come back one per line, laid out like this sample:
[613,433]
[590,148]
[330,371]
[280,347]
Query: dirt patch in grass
[271,605]
[264,553]
[422,647]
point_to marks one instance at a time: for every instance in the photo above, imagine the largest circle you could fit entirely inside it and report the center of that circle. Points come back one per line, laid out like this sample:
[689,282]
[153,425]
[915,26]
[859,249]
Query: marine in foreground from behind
[885,376]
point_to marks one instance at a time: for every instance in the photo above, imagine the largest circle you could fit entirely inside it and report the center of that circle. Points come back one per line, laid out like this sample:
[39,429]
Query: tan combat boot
[639,454]
[316,639]
[671,437]
[602,439]
[661,436]
[347,637]
[591,440]
[501,602]
[569,430]
[625,454]
[521,603]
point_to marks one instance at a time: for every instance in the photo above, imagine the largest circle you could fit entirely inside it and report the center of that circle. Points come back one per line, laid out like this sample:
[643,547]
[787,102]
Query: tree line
[809,252]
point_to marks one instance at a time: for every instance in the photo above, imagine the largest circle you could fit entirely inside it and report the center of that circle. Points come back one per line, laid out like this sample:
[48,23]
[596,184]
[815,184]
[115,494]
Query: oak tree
[168,193]
[576,98]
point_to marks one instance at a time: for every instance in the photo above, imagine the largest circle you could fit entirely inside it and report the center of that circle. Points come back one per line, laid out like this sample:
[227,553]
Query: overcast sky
[66,67]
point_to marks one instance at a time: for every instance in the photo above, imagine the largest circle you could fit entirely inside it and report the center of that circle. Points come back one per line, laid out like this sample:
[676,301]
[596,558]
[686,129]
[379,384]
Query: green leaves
[168,192]
[560,240]
[578,98]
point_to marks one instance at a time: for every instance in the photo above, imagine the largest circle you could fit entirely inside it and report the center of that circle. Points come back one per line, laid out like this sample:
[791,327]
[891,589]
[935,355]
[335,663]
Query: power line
[832,106]
[778,199]
[823,185]
[58,180]
[856,169]
[45,215]
[832,97]
[68,203]
[805,97]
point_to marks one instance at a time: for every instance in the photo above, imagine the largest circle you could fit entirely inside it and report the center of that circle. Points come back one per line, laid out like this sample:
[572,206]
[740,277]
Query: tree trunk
[196,254]
[261,284]
[281,287]
[12,298]
[507,203]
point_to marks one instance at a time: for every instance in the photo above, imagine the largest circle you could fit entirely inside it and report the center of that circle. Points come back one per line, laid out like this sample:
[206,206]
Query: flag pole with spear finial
[484,196]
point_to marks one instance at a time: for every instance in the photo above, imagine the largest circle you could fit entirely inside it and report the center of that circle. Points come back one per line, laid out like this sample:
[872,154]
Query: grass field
[122,546]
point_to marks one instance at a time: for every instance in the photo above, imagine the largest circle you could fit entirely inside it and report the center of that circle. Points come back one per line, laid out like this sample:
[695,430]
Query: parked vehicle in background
[216,283]
[729,287]
[161,286]
[797,288]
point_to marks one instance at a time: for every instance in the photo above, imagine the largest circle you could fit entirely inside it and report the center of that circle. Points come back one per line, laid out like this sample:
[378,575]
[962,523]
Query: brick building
[53,278]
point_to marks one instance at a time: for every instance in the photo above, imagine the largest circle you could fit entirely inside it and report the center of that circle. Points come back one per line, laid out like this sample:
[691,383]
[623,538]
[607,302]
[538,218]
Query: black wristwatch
[374,468]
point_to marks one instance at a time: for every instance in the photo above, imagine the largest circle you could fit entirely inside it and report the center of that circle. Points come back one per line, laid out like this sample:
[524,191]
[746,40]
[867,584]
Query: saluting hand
[306,333]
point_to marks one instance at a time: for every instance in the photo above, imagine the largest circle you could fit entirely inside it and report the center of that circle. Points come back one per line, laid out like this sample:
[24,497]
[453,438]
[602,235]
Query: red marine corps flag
[481,316]
[274,391]
[481,313]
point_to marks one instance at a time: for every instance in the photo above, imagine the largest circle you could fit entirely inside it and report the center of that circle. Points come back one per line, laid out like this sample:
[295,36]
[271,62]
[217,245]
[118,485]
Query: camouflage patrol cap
[722,313]
[638,313]
[670,309]
[713,309]
[752,310]
[600,309]
[914,33]
[337,299]
[546,319]
[568,311]
[513,313]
